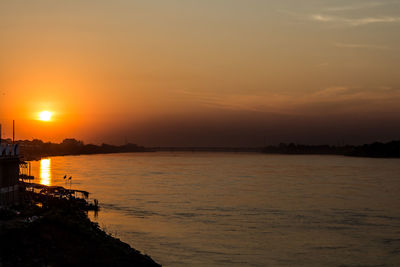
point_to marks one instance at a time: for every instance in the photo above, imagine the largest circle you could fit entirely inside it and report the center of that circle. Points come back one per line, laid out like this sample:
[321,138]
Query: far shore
[37,149]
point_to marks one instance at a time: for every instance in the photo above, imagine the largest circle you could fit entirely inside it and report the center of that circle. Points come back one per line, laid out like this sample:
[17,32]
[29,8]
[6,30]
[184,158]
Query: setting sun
[45,116]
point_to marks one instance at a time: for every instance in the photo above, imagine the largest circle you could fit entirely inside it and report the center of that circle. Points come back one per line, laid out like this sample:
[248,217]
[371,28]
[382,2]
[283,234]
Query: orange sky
[201,72]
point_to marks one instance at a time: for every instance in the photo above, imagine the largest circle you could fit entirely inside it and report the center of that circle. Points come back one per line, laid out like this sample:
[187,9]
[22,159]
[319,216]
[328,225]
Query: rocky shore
[60,235]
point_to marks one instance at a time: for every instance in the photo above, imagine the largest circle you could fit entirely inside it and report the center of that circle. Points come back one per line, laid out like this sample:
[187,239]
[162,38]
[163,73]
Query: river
[242,209]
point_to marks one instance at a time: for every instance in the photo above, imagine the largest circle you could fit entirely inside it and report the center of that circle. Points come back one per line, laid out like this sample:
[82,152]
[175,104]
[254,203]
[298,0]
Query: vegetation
[377,149]
[37,148]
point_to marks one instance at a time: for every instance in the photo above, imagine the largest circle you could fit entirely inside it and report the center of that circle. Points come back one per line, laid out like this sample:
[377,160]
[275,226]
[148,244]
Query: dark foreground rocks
[61,236]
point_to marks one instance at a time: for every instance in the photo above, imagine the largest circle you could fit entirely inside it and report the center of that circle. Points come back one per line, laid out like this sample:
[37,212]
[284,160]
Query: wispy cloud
[323,18]
[347,97]
[346,93]
[354,21]
[361,46]
[356,6]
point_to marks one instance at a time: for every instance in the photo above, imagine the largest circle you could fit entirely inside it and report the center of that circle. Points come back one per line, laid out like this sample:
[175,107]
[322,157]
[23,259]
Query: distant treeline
[377,150]
[37,149]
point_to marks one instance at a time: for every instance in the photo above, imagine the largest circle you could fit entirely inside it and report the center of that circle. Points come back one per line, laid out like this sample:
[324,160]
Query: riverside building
[9,173]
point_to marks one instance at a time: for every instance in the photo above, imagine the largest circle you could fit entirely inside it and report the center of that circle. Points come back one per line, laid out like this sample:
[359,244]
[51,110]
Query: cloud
[370,20]
[347,94]
[323,18]
[356,6]
[344,99]
[331,91]
[361,46]
[354,21]
[253,102]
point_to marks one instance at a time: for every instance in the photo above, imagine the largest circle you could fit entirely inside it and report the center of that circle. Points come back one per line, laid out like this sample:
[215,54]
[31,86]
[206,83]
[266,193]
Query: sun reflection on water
[45,171]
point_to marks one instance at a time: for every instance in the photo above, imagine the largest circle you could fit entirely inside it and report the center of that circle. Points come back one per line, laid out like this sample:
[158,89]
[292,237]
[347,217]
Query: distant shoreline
[39,157]
[37,149]
[202,150]
[374,150]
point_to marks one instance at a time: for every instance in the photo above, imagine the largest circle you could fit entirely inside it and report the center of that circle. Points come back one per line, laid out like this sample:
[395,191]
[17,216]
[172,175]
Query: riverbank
[37,149]
[60,234]
[374,150]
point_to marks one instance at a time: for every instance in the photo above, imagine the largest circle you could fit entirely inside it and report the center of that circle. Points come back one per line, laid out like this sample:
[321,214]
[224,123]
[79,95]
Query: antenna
[13,131]
[0,134]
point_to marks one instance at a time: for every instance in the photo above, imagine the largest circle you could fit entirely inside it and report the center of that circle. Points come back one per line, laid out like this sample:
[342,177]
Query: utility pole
[13,132]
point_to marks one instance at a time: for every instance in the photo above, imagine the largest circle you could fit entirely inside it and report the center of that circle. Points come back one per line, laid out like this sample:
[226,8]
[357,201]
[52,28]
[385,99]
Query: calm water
[204,209]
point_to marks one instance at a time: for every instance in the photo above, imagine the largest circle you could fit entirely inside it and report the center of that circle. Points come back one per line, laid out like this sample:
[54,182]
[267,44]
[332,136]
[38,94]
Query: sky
[201,73]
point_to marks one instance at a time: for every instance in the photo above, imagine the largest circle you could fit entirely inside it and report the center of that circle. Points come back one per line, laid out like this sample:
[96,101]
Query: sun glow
[45,115]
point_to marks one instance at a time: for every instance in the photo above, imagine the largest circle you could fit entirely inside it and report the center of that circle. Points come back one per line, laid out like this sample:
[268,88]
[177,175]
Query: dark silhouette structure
[9,174]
